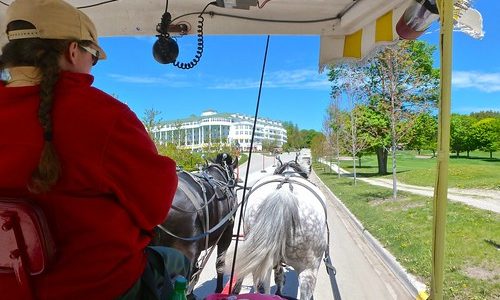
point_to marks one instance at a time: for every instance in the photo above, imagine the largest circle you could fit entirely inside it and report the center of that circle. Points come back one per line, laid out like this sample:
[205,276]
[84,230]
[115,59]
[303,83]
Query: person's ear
[71,54]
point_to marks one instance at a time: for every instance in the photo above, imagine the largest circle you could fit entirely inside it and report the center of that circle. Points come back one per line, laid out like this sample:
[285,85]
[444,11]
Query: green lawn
[243,159]
[472,267]
[478,171]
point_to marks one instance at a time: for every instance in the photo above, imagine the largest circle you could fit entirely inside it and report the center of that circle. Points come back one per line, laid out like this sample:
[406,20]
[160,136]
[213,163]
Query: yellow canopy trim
[352,44]
[383,28]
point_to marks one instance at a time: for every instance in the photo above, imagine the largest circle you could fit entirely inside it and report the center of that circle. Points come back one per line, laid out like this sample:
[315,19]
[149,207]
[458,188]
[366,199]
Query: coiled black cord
[199,50]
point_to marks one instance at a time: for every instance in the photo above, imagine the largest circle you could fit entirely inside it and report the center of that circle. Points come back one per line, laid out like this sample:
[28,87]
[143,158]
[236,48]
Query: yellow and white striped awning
[362,42]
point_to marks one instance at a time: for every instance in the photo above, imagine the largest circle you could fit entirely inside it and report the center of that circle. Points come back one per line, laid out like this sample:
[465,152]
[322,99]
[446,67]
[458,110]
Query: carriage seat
[26,244]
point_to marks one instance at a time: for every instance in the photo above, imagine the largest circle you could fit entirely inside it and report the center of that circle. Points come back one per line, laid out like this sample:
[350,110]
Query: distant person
[84,158]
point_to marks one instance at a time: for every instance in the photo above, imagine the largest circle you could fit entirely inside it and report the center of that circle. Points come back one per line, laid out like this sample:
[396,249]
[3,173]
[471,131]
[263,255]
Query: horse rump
[268,230]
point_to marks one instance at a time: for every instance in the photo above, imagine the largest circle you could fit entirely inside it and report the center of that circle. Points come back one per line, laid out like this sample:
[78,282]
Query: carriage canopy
[348,29]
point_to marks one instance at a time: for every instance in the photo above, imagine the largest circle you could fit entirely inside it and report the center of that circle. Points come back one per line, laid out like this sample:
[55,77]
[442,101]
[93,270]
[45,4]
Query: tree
[487,134]
[348,85]
[293,136]
[152,124]
[331,129]
[319,146]
[178,134]
[306,136]
[485,114]
[269,145]
[461,138]
[404,83]
[423,135]
[353,140]
[376,129]
[400,83]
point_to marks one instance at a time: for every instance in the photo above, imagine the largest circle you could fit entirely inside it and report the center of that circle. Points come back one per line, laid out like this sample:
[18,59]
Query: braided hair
[43,54]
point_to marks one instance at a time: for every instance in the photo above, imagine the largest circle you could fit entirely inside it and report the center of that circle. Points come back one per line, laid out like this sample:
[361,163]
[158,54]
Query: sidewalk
[483,199]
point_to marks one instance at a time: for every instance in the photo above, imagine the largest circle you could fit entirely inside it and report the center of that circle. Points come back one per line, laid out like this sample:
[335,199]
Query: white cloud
[136,79]
[234,84]
[171,80]
[289,79]
[146,38]
[292,79]
[485,82]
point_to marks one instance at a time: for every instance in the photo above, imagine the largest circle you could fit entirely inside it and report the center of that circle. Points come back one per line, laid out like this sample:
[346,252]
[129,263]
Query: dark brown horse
[202,215]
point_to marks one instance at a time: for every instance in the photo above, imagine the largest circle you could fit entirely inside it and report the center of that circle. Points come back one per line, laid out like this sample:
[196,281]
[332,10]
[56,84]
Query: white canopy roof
[348,29]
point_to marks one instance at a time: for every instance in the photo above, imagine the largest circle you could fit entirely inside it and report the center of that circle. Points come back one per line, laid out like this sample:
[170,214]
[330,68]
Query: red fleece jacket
[113,190]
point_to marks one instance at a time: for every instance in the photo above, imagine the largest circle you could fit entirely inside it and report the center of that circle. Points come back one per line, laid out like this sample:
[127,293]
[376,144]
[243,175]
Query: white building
[221,128]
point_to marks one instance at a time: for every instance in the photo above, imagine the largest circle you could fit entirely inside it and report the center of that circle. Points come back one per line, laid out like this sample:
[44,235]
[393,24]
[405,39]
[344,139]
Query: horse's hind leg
[307,282]
[279,279]
[222,246]
[267,282]
[263,286]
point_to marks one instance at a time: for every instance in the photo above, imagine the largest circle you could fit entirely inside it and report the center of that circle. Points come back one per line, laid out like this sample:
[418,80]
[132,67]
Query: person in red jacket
[84,158]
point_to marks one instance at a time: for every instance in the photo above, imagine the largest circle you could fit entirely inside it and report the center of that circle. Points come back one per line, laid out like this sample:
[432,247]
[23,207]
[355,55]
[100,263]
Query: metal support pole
[441,187]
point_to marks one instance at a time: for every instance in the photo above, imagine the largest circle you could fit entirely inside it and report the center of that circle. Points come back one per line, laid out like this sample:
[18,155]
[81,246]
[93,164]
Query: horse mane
[223,163]
[295,166]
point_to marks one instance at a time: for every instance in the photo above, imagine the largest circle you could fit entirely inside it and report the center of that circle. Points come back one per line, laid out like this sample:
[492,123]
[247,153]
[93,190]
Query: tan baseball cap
[53,19]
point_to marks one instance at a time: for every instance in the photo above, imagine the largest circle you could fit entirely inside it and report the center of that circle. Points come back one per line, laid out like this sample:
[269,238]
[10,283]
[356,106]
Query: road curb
[415,287]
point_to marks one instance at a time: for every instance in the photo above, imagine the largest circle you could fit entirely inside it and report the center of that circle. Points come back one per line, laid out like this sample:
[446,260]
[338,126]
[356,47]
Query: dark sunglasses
[93,52]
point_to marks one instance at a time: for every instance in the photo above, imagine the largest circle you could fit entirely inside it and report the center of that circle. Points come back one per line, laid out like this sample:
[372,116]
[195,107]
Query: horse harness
[287,178]
[222,190]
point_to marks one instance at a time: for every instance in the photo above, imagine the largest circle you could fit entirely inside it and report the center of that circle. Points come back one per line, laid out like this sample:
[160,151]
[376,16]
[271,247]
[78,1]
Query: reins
[208,232]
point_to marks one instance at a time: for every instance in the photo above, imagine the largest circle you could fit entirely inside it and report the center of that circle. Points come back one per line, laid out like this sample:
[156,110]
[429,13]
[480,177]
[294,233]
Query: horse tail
[265,244]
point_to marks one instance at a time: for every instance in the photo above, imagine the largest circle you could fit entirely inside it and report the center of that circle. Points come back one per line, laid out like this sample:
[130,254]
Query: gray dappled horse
[284,224]
[201,215]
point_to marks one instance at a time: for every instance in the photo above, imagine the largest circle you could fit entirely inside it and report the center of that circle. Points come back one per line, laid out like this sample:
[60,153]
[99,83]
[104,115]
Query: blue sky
[227,77]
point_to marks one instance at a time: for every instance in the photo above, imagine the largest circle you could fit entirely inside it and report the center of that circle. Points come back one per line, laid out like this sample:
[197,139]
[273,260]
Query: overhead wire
[212,13]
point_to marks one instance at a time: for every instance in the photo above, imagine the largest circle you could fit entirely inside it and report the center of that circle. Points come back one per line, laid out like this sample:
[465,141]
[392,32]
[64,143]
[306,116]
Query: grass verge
[472,267]
[475,172]
[242,159]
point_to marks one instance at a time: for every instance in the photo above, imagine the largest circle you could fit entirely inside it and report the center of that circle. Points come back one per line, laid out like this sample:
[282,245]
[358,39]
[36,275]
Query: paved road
[361,274]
